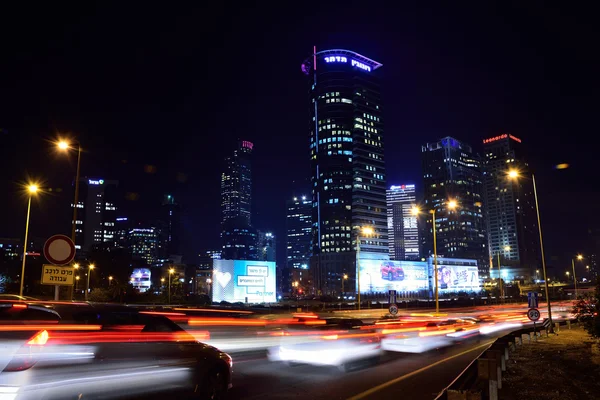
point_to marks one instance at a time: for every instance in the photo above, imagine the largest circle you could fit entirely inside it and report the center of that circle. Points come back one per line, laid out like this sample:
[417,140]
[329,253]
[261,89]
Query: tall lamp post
[65,146]
[87,289]
[506,248]
[344,277]
[31,189]
[366,231]
[171,271]
[579,258]
[451,204]
[514,175]
[209,282]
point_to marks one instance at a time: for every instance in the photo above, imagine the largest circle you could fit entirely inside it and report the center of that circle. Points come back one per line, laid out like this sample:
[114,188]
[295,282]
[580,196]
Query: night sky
[158,94]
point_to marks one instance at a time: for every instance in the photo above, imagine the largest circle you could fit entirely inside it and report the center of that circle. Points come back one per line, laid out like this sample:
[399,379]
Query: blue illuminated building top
[341,56]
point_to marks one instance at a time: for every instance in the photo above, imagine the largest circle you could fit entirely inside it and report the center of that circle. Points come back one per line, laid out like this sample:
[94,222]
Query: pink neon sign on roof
[247,144]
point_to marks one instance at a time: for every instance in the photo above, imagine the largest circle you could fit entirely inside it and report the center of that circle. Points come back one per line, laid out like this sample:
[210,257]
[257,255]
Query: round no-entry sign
[533,314]
[393,309]
[59,250]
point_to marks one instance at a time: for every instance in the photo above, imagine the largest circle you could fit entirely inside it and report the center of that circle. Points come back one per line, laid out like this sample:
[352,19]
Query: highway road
[397,375]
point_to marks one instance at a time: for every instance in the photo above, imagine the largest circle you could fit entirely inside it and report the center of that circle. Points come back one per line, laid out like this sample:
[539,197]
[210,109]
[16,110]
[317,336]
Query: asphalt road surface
[397,375]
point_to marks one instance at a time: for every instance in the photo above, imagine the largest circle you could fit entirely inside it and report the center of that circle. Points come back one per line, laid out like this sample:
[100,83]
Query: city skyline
[113,139]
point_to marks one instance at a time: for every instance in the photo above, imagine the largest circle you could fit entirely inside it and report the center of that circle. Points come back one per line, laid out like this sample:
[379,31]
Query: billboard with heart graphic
[244,281]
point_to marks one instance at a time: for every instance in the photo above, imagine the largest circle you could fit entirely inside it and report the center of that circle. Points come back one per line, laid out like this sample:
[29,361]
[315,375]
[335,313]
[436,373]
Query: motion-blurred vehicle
[68,351]
[391,272]
[340,342]
[16,297]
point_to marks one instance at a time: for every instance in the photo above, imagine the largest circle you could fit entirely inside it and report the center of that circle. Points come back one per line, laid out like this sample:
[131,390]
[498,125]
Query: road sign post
[392,297]
[59,250]
[532,300]
[533,314]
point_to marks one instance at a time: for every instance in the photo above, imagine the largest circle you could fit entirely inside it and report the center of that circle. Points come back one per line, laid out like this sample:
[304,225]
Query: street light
[579,257]
[209,281]
[514,174]
[90,268]
[506,249]
[76,282]
[110,278]
[366,231]
[451,204]
[31,190]
[171,271]
[65,146]
[344,277]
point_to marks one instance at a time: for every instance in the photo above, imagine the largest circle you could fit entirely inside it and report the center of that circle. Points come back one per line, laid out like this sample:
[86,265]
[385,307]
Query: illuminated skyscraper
[347,164]
[451,171]
[169,225]
[236,184]
[143,243]
[299,238]
[238,236]
[510,206]
[403,232]
[97,214]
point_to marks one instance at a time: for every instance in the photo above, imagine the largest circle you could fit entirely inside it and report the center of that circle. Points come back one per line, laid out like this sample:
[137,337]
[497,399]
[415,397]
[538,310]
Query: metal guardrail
[482,378]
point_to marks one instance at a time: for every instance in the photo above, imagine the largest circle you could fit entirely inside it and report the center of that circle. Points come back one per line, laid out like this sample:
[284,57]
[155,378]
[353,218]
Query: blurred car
[340,342]
[60,351]
[16,297]
[391,272]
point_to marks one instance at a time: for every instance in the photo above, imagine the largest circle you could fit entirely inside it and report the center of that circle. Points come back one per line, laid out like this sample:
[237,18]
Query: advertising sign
[455,278]
[243,280]
[385,275]
[53,275]
[140,279]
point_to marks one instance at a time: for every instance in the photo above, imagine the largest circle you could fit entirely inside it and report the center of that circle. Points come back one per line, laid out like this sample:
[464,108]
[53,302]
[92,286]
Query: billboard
[140,279]
[384,275]
[244,281]
[457,278]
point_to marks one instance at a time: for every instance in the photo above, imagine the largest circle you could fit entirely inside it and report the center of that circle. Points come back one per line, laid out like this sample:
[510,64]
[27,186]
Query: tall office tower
[452,172]
[509,205]
[347,164]
[143,243]
[238,236]
[169,225]
[236,184]
[97,214]
[299,238]
[267,250]
[403,231]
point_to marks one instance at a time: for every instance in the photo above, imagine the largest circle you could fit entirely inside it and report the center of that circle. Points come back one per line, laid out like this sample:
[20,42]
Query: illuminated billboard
[384,275]
[457,278]
[140,279]
[243,281]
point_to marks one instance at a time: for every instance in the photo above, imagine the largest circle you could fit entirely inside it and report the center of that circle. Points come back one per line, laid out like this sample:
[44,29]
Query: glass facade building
[510,206]
[143,243]
[299,240]
[238,236]
[451,171]
[403,230]
[346,143]
[96,214]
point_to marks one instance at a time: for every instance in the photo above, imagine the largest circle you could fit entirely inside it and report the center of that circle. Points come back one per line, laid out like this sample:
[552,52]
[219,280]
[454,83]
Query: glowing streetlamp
[32,189]
[506,249]
[110,278]
[452,205]
[514,174]
[366,231]
[344,277]
[171,271]
[90,268]
[579,258]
